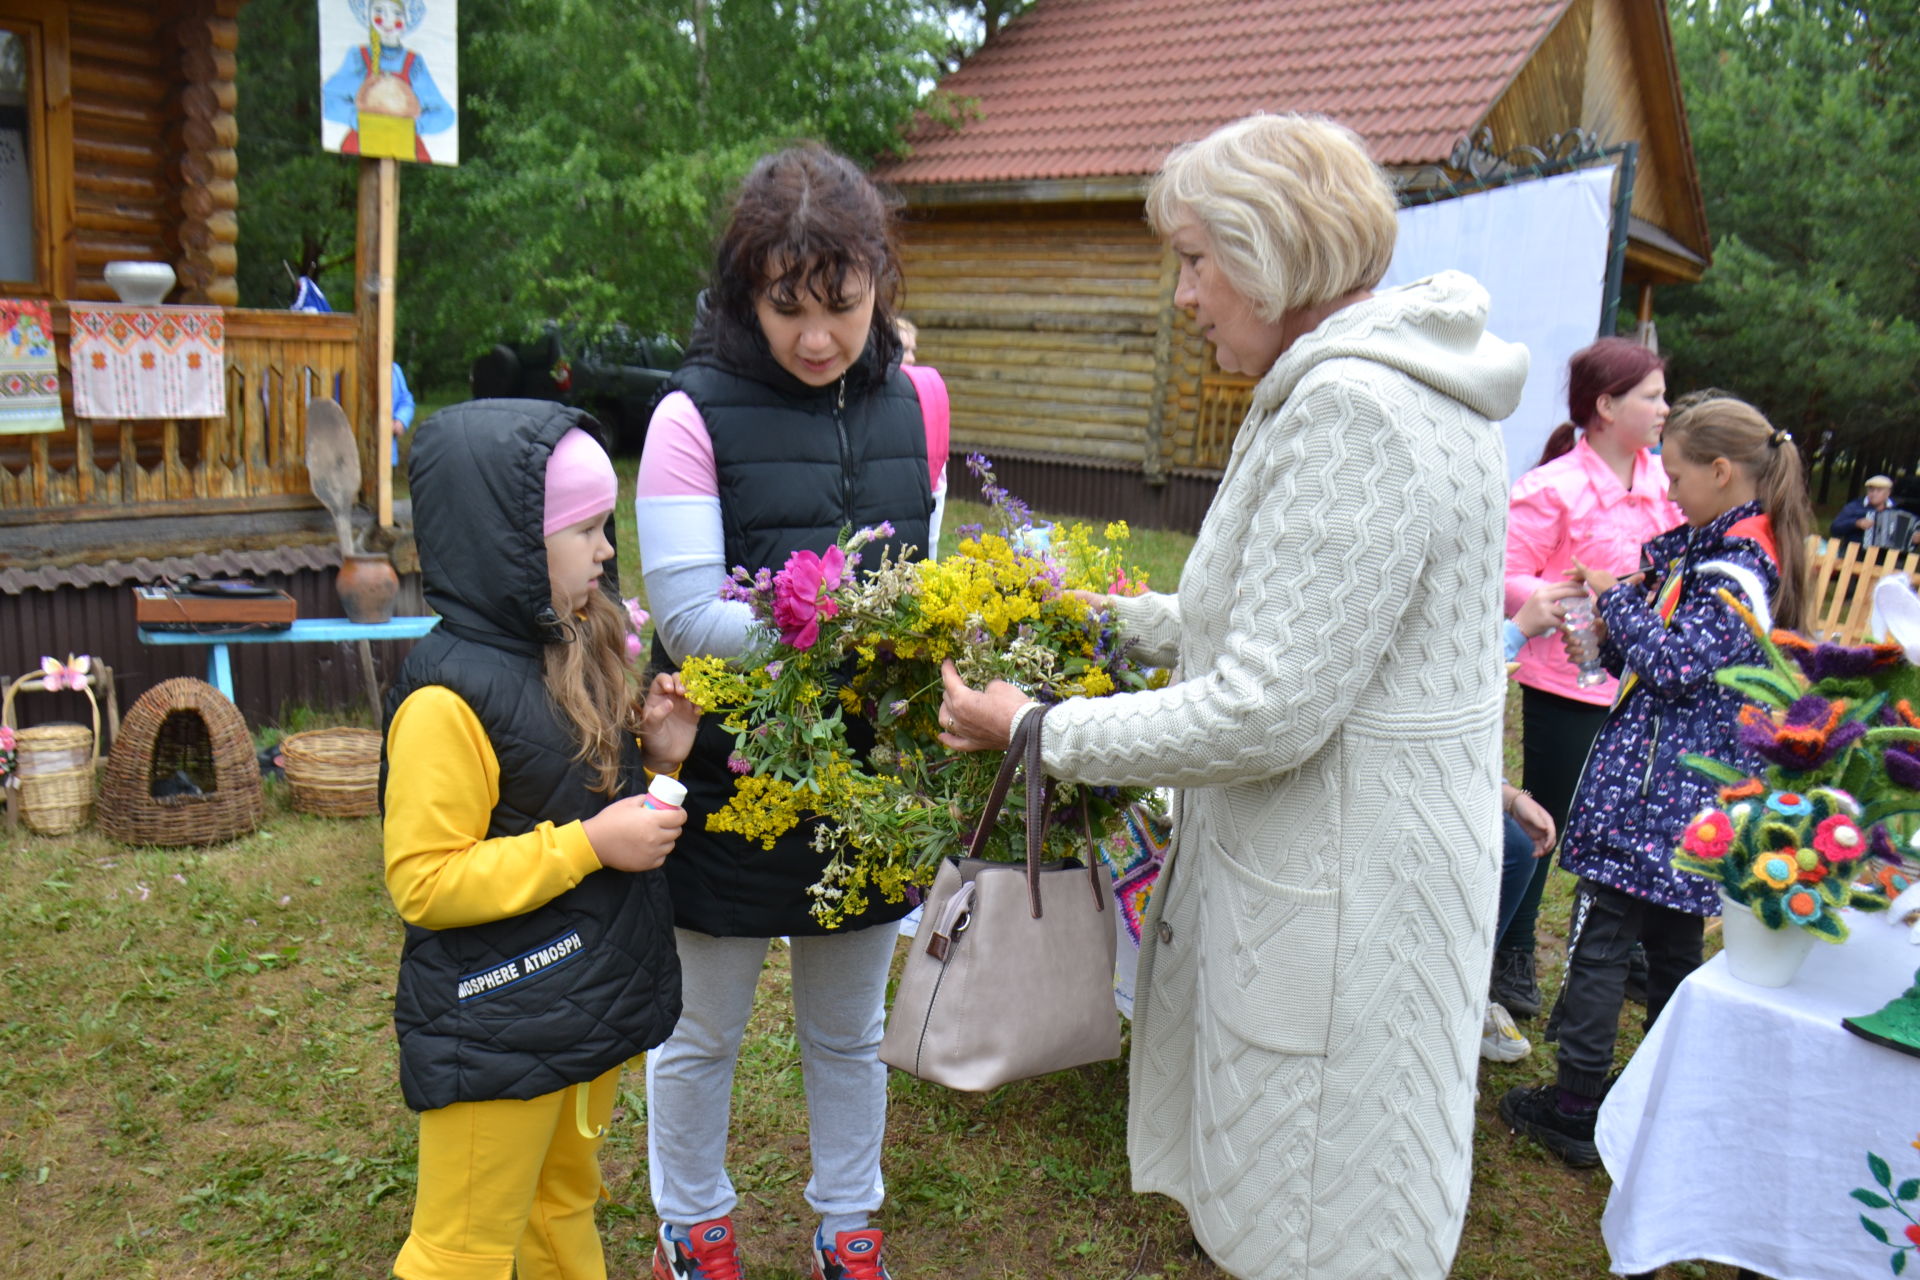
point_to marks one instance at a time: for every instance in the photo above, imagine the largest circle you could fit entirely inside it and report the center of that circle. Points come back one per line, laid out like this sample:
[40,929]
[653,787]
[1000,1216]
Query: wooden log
[114,15]
[204,64]
[206,100]
[120,184]
[113,152]
[1041,321]
[119,82]
[134,219]
[97,249]
[202,133]
[210,166]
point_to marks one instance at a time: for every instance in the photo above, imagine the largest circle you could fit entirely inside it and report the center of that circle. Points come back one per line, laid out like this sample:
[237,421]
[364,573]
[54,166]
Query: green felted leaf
[1871,1199]
[1769,688]
[1774,915]
[1708,867]
[1874,1229]
[1908,1189]
[1776,833]
[1724,774]
[1867,900]
[1828,926]
[1878,1167]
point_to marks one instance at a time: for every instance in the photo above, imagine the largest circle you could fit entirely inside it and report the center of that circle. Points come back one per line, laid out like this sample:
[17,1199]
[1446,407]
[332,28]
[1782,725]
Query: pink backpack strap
[934,410]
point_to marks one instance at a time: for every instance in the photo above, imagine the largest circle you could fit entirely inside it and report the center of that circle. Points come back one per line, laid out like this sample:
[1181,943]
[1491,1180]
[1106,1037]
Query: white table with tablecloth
[1748,1117]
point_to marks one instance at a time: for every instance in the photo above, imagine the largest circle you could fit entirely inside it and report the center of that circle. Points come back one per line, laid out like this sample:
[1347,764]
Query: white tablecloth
[1743,1124]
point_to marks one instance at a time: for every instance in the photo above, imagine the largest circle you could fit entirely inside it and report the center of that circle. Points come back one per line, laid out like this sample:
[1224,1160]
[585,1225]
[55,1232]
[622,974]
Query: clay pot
[367,585]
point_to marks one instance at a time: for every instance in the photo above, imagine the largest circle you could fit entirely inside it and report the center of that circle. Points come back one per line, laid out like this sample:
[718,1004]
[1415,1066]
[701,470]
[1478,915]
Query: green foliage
[1804,120]
[600,140]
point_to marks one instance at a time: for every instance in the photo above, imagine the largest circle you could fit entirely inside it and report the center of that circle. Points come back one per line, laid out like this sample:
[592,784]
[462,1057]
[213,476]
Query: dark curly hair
[806,220]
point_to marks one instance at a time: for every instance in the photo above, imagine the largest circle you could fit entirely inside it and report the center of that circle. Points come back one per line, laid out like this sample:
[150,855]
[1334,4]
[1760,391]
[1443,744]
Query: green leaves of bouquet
[1821,826]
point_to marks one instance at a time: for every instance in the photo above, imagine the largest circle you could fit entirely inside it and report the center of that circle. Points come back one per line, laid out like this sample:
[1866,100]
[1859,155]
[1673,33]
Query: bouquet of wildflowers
[1824,824]
[850,653]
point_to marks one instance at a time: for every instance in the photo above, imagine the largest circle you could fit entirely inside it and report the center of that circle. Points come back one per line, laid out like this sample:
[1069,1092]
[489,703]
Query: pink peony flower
[802,595]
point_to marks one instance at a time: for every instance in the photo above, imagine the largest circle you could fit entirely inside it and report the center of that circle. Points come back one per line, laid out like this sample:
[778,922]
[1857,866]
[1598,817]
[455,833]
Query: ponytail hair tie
[1779,438]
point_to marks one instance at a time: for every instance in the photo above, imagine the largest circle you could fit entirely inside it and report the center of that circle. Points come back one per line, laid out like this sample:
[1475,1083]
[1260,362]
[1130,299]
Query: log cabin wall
[153,133]
[1044,327]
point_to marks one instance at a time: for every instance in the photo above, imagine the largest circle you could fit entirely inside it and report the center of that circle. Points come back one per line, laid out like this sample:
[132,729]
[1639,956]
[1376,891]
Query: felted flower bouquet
[1823,826]
[850,654]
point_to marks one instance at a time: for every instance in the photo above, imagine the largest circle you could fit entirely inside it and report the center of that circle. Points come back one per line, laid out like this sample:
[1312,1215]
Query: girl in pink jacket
[1596,500]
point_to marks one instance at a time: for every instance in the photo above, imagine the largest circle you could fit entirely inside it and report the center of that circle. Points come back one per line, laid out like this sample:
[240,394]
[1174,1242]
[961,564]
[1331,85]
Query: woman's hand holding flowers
[977,719]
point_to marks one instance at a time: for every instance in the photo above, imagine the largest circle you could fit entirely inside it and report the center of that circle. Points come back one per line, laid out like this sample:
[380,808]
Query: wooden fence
[254,458]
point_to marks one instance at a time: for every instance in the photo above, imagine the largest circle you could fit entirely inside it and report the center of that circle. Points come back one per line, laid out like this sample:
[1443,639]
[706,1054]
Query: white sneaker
[1500,1040]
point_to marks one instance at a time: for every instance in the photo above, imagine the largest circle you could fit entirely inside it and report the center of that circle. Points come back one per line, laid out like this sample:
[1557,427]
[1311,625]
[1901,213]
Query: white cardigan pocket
[1266,956]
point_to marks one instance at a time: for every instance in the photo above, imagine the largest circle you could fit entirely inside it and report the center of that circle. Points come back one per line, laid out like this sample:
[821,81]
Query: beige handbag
[1011,972]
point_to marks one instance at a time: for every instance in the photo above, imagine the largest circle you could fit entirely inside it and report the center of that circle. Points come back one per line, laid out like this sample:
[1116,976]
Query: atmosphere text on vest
[488,981]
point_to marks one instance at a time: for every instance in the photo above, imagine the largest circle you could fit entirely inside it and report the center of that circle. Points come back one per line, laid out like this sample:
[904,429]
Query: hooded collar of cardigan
[1434,330]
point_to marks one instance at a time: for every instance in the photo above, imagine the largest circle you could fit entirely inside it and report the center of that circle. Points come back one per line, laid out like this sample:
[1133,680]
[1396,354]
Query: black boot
[1513,982]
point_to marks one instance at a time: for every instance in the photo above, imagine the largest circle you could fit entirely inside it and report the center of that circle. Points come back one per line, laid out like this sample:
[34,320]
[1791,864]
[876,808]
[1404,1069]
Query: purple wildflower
[738,763]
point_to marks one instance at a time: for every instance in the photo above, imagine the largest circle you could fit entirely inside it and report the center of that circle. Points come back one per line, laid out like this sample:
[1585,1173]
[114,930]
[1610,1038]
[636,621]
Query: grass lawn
[197,1079]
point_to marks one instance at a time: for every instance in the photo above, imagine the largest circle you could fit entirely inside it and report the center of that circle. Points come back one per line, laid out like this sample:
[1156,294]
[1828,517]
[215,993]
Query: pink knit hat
[580,482]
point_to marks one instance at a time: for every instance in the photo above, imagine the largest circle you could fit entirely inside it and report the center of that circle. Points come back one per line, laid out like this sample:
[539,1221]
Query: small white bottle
[664,793]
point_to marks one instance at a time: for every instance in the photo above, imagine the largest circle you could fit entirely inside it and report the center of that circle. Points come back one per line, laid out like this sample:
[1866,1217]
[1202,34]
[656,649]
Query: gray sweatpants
[839,992]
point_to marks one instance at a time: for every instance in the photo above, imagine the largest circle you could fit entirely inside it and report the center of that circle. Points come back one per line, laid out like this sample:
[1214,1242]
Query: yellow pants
[509,1182]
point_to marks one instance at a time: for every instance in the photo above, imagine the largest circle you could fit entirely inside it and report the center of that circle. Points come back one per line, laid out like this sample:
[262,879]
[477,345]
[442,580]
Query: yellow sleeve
[443,781]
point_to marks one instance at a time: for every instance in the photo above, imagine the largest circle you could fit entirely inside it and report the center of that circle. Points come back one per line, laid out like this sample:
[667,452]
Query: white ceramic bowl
[140,284]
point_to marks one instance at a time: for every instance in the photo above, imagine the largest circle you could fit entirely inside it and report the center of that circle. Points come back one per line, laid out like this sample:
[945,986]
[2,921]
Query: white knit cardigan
[1315,967]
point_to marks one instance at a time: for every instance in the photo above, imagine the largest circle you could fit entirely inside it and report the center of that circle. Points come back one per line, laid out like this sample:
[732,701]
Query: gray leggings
[839,989]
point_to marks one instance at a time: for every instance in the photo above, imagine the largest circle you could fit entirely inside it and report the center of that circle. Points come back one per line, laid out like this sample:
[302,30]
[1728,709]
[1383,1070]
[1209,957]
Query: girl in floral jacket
[1665,633]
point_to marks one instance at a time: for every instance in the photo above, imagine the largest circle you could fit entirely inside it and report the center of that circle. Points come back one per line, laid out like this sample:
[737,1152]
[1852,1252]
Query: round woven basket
[56,764]
[182,770]
[334,772]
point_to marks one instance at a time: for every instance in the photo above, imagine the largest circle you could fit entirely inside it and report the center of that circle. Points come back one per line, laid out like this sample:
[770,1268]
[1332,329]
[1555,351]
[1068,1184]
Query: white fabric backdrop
[1540,248]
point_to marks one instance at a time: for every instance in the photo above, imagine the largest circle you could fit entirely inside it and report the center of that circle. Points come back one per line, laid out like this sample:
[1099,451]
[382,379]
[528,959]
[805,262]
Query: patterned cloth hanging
[148,362]
[29,371]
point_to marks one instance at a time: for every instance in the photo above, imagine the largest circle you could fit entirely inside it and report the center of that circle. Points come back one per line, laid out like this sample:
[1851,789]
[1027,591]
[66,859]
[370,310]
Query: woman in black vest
[790,421]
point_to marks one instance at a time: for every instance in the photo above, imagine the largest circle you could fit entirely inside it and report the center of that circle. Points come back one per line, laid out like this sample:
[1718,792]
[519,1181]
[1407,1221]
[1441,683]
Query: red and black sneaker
[853,1255]
[704,1251]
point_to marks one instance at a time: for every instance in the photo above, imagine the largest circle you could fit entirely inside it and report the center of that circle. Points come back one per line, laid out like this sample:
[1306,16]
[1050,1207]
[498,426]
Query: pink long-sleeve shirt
[1575,508]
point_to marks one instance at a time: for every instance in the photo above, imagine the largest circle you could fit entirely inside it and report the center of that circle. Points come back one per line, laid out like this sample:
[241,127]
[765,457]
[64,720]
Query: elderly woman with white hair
[1314,970]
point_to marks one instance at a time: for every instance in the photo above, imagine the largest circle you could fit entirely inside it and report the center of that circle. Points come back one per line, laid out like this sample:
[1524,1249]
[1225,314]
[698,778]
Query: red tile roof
[1097,88]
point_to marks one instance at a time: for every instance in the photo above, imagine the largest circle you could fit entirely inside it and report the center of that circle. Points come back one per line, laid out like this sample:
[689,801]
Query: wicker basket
[56,764]
[334,772]
[182,770]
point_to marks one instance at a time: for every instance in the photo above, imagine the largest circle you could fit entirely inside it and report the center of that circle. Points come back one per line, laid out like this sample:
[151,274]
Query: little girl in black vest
[519,849]
[790,420]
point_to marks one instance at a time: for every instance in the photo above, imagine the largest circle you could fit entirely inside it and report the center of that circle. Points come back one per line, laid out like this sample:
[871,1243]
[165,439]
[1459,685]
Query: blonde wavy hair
[1298,212]
[586,676]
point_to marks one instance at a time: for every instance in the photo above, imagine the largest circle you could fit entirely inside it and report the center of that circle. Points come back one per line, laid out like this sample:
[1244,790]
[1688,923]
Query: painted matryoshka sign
[390,80]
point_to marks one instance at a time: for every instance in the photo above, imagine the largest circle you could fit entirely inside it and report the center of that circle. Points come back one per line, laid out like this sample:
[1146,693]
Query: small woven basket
[56,764]
[334,773]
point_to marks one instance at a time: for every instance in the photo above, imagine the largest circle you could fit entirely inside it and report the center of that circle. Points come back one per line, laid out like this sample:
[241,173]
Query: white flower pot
[1759,955]
[143,284]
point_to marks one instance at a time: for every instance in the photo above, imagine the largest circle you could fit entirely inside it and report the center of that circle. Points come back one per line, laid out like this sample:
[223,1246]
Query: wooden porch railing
[252,459]
[1224,401]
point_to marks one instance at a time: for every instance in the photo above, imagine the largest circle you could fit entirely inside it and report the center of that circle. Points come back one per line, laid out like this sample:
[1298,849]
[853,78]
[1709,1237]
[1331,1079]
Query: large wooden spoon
[333,465]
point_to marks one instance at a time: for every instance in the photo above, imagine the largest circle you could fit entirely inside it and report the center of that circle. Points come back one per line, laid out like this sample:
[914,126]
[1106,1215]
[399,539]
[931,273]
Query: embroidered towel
[29,372]
[148,362]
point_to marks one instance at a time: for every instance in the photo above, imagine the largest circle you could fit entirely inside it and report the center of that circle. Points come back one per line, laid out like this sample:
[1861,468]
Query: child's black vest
[793,471]
[520,1007]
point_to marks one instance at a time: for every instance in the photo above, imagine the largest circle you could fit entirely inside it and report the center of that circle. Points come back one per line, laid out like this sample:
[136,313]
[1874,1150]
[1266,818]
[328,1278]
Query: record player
[213,604]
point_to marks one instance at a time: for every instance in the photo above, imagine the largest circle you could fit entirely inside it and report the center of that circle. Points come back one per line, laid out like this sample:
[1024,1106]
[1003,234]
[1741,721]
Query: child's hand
[1542,611]
[1599,579]
[630,835]
[667,723]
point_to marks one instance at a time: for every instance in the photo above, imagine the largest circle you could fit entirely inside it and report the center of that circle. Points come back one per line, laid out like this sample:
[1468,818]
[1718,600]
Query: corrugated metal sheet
[1093,490]
[267,678]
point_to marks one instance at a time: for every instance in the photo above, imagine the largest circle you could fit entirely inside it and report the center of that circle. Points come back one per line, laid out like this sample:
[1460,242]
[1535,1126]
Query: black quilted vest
[519,1007]
[795,466]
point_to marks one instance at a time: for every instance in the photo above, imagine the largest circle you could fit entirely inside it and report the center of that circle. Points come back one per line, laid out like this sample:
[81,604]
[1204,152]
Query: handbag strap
[1025,749]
